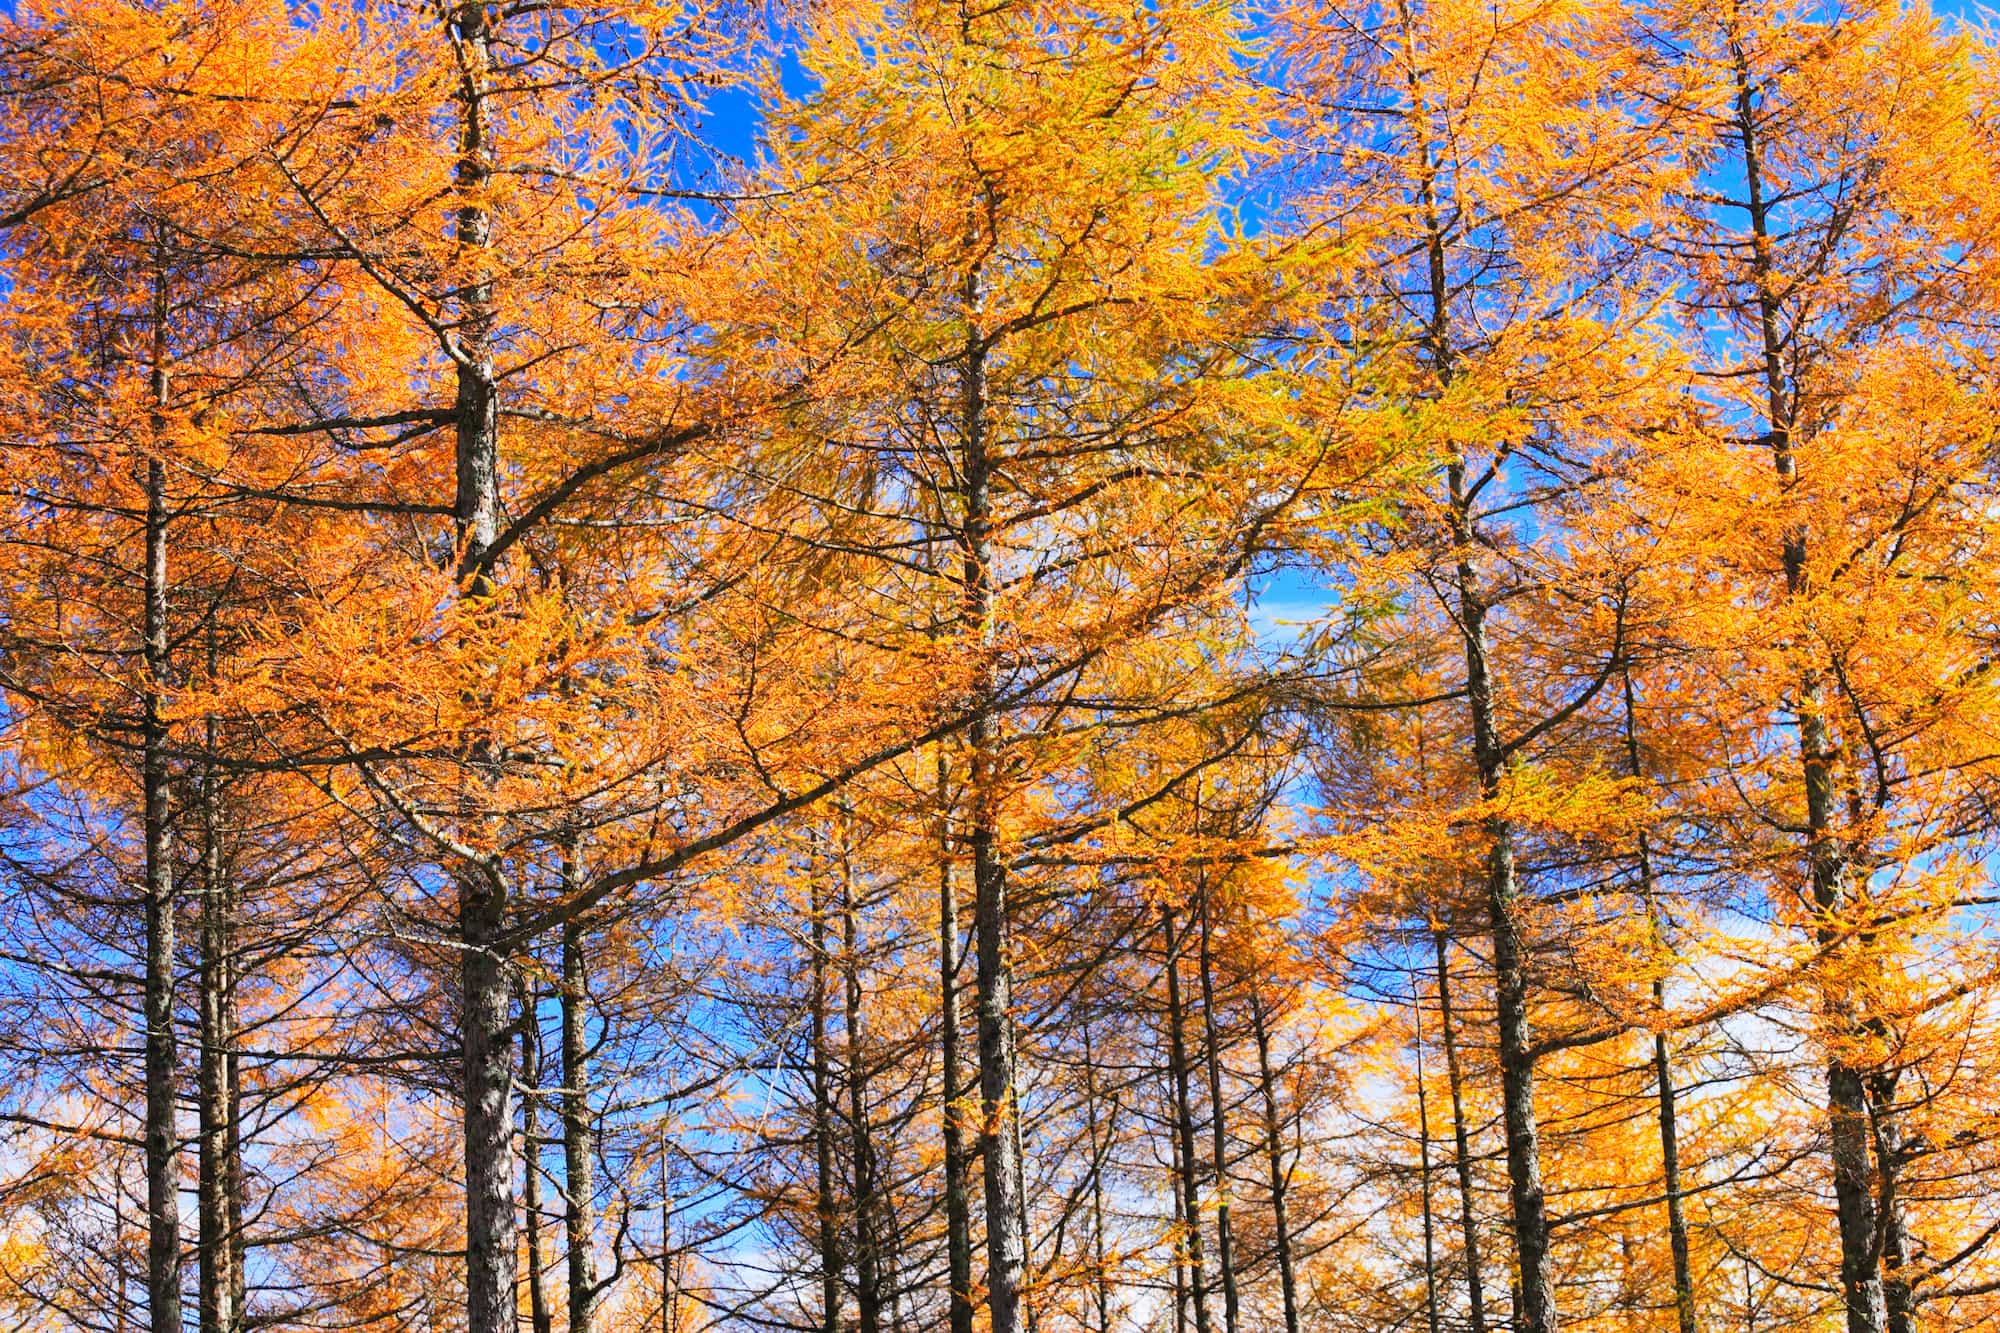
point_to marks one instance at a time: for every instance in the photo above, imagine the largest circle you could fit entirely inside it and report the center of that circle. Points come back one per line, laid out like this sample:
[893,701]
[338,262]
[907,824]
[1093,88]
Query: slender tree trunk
[861,1150]
[1462,1158]
[670,1291]
[1848,1116]
[1177,1068]
[541,1318]
[957,1171]
[1100,1272]
[1898,1295]
[1424,1169]
[1663,1066]
[163,1209]
[1180,1226]
[1670,1159]
[220,1284]
[1030,1312]
[235,1179]
[486,1004]
[1006,1238]
[825,1202]
[491,1250]
[122,1293]
[1274,1153]
[579,1151]
[1537,1306]
[1225,1257]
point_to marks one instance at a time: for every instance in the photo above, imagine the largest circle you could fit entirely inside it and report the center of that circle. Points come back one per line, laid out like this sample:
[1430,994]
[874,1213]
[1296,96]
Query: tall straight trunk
[670,1293]
[1848,1115]
[220,1284]
[1180,1230]
[491,1251]
[1537,1306]
[1898,1293]
[825,1203]
[1663,1065]
[540,1317]
[235,1179]
[1424,1169]
[1100,1274]
[1475,1288]
[579,1151]
[1670,1160]
[1177,1069]
[957,1172]
[861,1146]
[122,1293]
[1030,1313]
[1225,1257]
[163,1209]
[1274,1156]
[999,1138]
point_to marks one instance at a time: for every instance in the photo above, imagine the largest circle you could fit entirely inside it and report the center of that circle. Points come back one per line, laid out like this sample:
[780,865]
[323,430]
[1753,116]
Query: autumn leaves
[466,541]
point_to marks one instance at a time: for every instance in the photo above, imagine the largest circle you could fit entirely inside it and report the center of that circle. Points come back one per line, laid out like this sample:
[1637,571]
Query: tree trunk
[1475,1288]
[220,1284]
[1225,1256]
[1847,1098]
[579,1151]
[1663,1066]
[1180,1230]
[1006,1239]
[1030,1313]
[861,1150]
[1424,1169]
[1898,1295]
[1274,1152]
[670,1294]
[1100,1273]
[825,1202]
[491,1250]
[1670,1159]
[163,1209]
[957,1173]
[1177,1069]
[487,1073]
[541,1318]
[1537,1306]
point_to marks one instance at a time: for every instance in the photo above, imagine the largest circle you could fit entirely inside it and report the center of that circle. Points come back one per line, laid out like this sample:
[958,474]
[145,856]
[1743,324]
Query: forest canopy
[1008,666]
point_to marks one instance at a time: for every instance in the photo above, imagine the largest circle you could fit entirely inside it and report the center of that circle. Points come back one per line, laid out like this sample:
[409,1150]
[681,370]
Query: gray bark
[1536,1308]
[163,1210]
[1848,1119]
[999,1139]
[1225,1256]
[487,1069]
[861,1146]
[540,1317]
[1424,1170]
[826,1204]
[579,1148]
[957,1172]
[1462,1140]
[1663,1065]
[221,1284]
[1178,1072]
[1274,1153]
